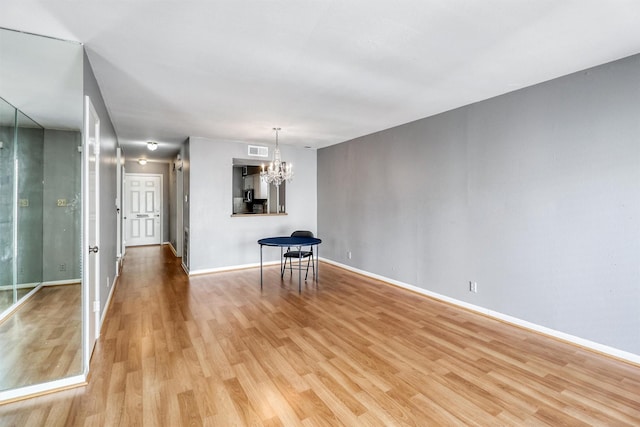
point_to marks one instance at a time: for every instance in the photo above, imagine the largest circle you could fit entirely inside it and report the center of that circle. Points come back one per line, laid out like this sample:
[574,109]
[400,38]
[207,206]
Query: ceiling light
[152,146]
[278,171]
[142,161]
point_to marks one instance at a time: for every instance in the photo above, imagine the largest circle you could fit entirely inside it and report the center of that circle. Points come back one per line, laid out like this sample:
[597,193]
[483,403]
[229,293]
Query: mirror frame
[64,81]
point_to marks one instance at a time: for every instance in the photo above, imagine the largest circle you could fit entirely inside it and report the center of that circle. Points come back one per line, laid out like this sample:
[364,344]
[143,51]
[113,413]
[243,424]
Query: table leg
[317,261]
[260,267]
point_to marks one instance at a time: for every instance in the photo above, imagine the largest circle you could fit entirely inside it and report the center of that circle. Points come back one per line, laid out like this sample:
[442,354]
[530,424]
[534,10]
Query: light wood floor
[42,339]
[214,350]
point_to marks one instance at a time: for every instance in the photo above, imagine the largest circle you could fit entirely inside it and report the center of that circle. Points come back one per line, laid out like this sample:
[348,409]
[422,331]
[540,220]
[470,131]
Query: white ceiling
[323,71]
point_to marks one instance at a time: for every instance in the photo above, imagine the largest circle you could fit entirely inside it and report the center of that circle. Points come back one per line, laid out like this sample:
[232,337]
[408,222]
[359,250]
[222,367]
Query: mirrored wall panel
[41,326]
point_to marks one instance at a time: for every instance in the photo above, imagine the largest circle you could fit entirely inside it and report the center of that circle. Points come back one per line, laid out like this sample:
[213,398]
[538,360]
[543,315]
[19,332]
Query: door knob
[93,249]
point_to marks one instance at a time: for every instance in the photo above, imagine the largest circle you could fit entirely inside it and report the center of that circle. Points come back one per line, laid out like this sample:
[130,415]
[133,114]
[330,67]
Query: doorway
[143,209]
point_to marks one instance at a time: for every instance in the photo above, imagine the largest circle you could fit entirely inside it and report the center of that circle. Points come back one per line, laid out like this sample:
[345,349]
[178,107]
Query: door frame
[178,204]
[90,279]
[160,203]
[119,209]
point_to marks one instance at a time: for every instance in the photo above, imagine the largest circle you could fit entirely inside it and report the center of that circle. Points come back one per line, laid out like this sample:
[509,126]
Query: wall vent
[258,151]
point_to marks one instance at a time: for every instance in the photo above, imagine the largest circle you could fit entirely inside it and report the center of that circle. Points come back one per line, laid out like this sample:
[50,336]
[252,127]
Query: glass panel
[30,167]
[7,130]
[41,115]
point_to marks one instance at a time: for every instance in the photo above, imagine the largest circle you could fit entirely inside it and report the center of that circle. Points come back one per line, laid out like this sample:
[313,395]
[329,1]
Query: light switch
[62,202]
[23,203]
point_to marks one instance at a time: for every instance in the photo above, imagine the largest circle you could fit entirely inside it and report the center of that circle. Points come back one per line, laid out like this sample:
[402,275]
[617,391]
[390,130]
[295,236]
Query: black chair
[299,255]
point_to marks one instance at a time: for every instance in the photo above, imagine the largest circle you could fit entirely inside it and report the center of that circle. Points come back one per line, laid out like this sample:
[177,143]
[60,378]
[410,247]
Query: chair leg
[290,267]
[307,273]
[284,267]
[313,264]
[311,260]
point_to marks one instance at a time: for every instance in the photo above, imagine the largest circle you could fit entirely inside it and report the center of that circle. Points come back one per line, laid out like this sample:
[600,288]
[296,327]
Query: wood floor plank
[41,340]
[216,350]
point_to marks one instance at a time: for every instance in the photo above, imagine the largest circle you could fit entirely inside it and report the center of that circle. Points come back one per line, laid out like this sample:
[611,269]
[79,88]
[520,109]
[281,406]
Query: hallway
[214,350]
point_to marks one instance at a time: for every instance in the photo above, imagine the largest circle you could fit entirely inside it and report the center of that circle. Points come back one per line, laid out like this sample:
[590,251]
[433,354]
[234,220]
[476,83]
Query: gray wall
[62,224]
[49,236]
[158,169]
[6,206]
[534,194]
[219,240]
[108,145]
[29,221]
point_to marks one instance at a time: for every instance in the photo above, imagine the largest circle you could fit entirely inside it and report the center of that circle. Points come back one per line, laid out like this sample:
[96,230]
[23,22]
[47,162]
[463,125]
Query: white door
[144,207]
[91,243]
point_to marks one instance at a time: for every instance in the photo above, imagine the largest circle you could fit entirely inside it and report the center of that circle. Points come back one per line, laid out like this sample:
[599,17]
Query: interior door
[144,206]
[91,244]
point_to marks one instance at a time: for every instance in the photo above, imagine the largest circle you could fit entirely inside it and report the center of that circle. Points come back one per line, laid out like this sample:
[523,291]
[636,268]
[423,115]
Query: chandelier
[278,171]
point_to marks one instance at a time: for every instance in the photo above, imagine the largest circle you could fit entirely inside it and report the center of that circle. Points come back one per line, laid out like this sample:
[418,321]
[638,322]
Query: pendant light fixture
[278,171]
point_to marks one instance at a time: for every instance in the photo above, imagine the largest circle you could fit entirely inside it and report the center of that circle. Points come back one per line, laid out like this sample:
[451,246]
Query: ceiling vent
[258,151]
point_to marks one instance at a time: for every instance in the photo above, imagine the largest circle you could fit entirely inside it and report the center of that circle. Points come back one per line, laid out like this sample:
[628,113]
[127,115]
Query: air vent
[257,151]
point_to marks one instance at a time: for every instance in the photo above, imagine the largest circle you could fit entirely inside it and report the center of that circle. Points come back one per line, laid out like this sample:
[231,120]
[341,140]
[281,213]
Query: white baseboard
[20,286]
[62,282]
[600,348]
[106,305]
[230,268]
[34,284]
[175,253]
[19,393]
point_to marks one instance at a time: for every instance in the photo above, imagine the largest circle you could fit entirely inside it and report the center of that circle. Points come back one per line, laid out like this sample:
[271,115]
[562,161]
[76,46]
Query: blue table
[291,242]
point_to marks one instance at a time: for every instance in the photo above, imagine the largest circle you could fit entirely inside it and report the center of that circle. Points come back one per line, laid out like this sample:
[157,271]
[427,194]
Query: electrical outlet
[473,287]
[62,267]
[349,254]
[108,283]
[61,202]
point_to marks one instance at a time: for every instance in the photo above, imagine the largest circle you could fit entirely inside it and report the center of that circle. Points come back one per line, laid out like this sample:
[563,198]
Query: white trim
[36,287]
[106,304]
[175,253]
[600,348]
[20,286]
[230,268]
[90,279]
[12,308]
[36,284]
[38,389]
[63,282]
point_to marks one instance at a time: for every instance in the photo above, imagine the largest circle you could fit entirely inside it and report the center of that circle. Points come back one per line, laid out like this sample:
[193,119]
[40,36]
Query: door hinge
[96,306]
